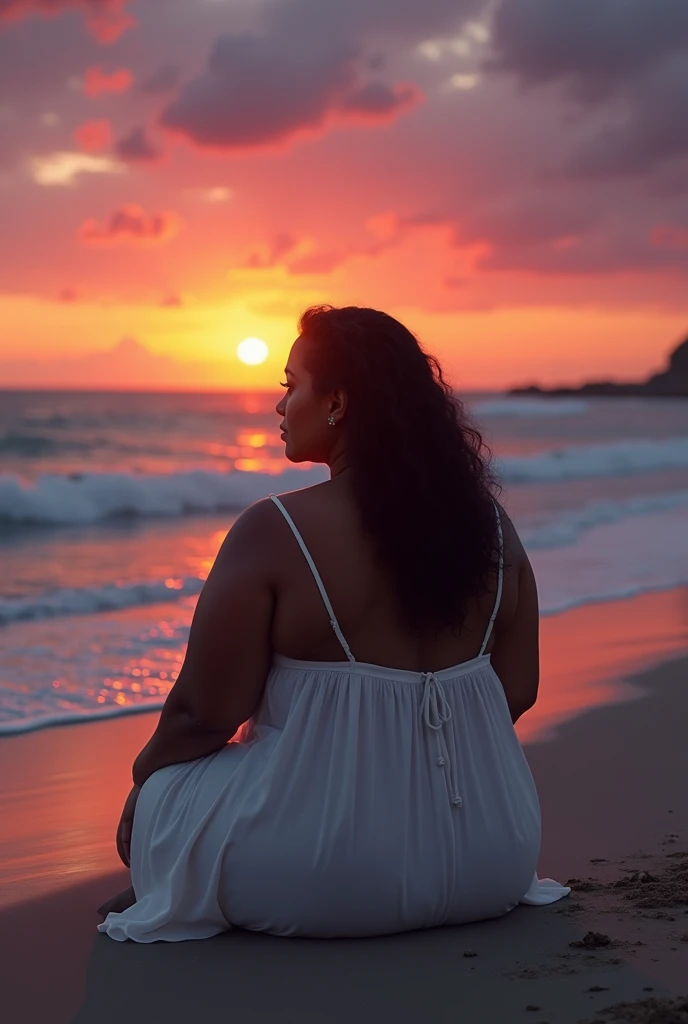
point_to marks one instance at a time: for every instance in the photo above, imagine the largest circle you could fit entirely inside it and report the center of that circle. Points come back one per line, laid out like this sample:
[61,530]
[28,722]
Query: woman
[378,634]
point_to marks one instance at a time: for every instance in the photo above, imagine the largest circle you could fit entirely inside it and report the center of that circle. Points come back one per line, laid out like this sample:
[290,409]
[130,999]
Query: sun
[252,351]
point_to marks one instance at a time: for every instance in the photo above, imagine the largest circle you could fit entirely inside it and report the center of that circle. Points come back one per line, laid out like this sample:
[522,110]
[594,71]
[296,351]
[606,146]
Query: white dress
[360,800]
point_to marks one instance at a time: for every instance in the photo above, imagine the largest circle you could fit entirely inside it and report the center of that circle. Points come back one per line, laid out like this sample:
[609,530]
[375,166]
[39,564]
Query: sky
[509,178]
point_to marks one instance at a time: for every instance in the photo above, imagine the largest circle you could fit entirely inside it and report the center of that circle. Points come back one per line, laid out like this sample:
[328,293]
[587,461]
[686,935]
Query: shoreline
[653,617]
[63,788]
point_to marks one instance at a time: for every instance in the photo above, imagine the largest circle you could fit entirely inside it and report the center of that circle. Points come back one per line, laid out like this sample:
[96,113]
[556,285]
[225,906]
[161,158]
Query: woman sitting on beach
[377,637]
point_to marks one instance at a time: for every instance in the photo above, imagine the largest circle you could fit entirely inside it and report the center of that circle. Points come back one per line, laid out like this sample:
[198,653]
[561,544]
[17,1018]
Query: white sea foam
[565,528]
[605,552]
[558,530]
[581,462]
[530,407]
[96,497]
[638,555]
[88,600]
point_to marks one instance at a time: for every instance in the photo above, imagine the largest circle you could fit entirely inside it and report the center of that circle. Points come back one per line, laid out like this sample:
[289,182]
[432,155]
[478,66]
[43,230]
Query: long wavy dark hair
[420,471]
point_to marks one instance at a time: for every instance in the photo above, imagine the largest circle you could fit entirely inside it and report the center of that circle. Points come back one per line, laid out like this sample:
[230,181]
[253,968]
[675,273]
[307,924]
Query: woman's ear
[338,404]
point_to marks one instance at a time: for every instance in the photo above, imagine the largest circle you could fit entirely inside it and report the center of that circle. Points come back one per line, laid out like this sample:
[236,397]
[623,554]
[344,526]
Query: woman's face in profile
[305,430]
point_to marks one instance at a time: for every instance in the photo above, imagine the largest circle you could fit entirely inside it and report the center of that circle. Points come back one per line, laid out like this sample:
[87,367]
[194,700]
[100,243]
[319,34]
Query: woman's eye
[287,386]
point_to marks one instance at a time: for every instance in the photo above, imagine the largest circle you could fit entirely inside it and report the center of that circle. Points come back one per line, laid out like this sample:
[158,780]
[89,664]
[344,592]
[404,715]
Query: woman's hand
[125,825]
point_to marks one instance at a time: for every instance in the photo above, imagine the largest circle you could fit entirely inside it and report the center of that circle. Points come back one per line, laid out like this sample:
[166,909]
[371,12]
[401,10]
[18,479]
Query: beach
[611,778]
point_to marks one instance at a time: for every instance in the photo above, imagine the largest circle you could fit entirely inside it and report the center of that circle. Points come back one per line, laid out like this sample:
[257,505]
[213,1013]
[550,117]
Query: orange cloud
[97,82]
[131,225]
[106,19]
[93,136]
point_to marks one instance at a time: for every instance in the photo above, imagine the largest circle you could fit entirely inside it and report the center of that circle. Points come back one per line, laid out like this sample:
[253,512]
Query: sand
[615,811]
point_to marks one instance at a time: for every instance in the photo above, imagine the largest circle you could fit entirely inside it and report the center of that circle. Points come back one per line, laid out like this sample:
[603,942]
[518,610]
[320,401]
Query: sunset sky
[509,178]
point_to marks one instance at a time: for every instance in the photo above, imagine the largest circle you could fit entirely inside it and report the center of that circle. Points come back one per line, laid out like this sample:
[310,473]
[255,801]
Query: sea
[113,507]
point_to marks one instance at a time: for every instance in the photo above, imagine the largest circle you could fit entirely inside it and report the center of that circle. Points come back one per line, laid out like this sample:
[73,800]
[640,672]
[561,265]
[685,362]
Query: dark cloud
[580,229]
[258,90]
[137,147]
[633,52]
[377,99]
[106,19]
[655,128]
[309,66]
[131,225]
[582,239]
[165,79]
[529,219]
[408,20]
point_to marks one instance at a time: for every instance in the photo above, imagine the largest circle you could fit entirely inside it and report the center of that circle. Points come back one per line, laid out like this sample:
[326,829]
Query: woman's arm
[228,655]
[516,651]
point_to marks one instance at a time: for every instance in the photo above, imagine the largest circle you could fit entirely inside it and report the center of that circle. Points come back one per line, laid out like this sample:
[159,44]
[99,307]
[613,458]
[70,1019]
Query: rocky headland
[671,383]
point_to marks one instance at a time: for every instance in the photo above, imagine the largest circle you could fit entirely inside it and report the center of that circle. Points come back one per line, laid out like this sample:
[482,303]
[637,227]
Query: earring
[330,420]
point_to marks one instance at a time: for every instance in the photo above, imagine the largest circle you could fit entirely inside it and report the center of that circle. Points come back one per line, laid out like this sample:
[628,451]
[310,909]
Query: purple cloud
[137,147]
[309,67]
[164,79]
[632,52]
[106,19]
[129,224]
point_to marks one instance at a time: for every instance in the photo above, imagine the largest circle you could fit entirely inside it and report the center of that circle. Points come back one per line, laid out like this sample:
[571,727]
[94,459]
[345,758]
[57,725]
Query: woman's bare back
[362,598]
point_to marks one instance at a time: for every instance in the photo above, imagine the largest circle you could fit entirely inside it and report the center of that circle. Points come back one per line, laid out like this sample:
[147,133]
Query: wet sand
[614,799]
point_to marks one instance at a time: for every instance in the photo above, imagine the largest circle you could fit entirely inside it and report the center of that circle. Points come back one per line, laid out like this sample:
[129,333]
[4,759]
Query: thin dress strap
[316,575]
[500,582]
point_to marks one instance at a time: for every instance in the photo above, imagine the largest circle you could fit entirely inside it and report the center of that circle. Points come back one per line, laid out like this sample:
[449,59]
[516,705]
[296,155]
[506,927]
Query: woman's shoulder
[514,553]
[264,519]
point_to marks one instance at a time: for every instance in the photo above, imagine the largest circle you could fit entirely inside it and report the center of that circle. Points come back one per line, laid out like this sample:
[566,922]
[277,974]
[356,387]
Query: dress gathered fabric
[359,800]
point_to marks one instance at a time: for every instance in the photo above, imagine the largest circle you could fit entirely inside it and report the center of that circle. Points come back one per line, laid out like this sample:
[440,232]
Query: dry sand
[613,789]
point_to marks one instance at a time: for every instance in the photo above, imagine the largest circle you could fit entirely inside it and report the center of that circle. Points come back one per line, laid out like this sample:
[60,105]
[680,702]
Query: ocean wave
[531,407]
[581,462]
[115,664]
[35,446]
[567,527]
[85,696]
[90,600]
[97,497]
[563,529]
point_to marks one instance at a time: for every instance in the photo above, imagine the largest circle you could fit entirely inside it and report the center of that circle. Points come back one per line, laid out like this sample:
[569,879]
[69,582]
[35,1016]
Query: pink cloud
[130,225]
[319,262]
[669,236]
[106,19]
[98,82]
[93,136]
[273,253]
